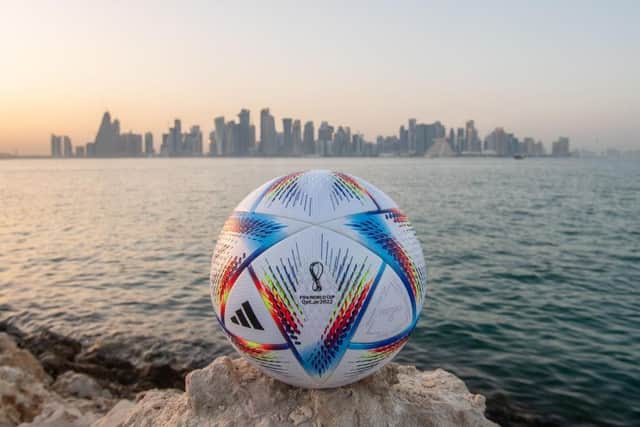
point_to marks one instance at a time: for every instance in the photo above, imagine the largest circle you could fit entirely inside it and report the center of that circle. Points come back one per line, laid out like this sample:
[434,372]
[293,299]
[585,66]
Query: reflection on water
[533,266]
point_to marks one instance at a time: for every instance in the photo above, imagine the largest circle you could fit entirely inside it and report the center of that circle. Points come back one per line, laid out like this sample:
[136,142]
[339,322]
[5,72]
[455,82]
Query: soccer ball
[317,278]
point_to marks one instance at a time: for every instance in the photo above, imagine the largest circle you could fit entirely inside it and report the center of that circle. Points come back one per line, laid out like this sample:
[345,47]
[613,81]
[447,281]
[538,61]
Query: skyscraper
[426,135]
[451,140]
[287,137]
[90,149]
[358,145]
[220,130]
[460,141]
[193,142]
[131,144]
[148,144]
[175,138]
[501,142]
[108,133]
[297,137]
[341,142]
[268,142]
[412,136]
[325,136]
[403,137]
[308,138]
[472,142]
[56,146]
[213,151]
[67,147]
[560,148]
[231,138]
[110,142]
[246,135]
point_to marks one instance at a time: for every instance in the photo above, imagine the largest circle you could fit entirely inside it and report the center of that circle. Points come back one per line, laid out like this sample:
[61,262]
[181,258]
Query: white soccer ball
[317,278]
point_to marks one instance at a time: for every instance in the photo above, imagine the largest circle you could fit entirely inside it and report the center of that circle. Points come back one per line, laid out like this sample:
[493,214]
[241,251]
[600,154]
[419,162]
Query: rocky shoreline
[47,379]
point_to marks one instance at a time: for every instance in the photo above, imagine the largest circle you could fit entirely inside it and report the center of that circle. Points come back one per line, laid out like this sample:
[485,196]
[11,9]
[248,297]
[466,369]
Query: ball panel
[382,201]
[389,312]
[316,283]
[357,364]
[246,315]
[244,236]
[278,362]
[389,234]
[314,196]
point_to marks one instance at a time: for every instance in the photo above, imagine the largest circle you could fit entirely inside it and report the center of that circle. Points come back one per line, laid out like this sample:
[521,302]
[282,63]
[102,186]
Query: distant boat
[519,157]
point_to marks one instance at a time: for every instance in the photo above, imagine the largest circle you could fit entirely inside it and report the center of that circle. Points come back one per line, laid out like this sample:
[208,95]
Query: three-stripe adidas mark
[241,319]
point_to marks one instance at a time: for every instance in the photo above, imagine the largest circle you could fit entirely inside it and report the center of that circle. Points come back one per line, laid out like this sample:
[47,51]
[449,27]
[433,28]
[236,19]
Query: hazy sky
[538,68]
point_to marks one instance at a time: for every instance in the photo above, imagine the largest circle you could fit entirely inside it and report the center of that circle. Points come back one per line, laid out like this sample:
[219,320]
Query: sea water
[533,266]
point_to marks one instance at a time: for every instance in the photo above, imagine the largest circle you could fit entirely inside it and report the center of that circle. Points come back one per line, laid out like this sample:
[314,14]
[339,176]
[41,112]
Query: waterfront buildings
[325,139]
[560,147]
[297,137]
[110,142]
[218,136]
[56,146]
[238,138]
[61,146]
[176,143]
[308,139]
[268,137]
[148,144]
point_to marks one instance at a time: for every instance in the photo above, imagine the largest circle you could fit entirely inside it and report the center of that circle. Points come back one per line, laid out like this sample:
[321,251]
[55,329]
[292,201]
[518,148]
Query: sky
[537,68]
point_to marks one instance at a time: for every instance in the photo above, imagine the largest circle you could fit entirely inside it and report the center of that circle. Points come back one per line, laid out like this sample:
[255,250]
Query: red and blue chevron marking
[375,235]
[260,232]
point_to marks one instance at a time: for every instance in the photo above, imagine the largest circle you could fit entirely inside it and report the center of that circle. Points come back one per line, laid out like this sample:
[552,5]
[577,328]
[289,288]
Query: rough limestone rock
[11,355]
[57,414]
[230,393]
[233,393]
[22,397]
[117,415]
[79,385]
[27,400]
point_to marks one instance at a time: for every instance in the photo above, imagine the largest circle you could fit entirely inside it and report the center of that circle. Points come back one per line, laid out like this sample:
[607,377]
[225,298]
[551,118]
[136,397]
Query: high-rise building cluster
[229,138]
[61,146]
[238,138]
[501,143]
[560,147]
[110,142]
[175,143]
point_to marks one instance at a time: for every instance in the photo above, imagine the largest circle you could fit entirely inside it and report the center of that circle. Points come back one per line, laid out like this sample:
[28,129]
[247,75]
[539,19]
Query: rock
[27,402]
[11,355]
[100,362]
[160,376]
[79,385]
[22,397]
[45,340]
[300,415]
[233,393]
[53,363]
[116,416]
[74,399]
[226,393]
[56,414]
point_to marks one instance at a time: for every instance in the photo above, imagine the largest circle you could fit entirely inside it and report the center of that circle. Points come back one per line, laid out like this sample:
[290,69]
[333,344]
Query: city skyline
[540,69]
[239,138]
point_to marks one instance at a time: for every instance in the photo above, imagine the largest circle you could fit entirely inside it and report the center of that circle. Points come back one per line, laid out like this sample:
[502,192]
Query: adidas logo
[245,315]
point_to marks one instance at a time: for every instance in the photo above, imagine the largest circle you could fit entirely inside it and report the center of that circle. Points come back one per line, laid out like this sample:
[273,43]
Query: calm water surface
[534,266]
